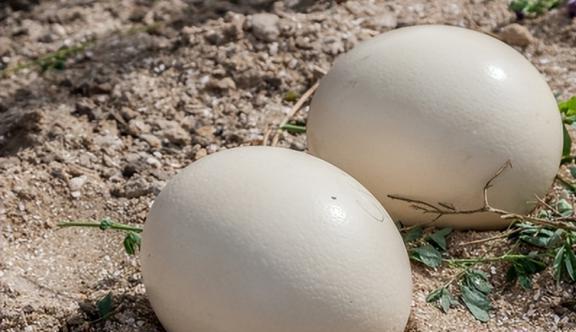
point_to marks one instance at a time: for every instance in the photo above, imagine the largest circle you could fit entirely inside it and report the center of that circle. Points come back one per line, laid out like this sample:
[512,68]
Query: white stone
[265,26]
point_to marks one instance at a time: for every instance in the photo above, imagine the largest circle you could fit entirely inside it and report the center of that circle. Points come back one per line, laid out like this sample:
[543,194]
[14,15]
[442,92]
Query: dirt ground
[159,84]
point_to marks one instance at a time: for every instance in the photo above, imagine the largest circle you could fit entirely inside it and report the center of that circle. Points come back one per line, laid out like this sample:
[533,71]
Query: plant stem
[293,112]
[112,225]
[294,128]
[500,236]
[507,257]
[455,278]
[443,210]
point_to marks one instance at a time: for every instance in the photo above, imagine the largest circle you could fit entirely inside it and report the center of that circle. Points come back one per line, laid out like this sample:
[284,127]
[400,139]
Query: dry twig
[443,210]
[292,112]
[492,238]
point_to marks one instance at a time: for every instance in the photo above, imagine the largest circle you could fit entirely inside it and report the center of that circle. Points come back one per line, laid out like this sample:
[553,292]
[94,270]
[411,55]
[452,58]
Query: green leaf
[105,224]
[511,274]
[442,296]
[521,269]
[412,234]
[292,128]
[438,238]
[533,7]
[477,303]
[556,238]
[427,255]
[573,171]
[568,107]
[132,243]
[565,263]
[529,265]
[544,214]
[570,263]
[446,300]
[567,146]
[478,280]
[537,236]
[566,209]
[104,306]
[524,281]
[434,295]
[518,5]
[558,263]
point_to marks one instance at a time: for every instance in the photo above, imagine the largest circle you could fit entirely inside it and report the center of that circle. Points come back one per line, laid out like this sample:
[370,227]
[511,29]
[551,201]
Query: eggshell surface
[431,113]
[262,239]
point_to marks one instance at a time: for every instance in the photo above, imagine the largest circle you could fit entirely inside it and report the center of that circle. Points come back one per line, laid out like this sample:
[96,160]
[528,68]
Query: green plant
[291,96]
[536,242]
[105,307]
[531,8]
[132,239]
[568,112]
[50,61]
[57,60]
[293,128]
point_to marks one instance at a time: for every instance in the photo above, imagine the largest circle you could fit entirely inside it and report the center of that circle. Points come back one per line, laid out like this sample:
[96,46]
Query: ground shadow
[95,67]
[129,313]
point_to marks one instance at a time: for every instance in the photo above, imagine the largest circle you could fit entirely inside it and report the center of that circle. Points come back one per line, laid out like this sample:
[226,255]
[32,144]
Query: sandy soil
[160,84]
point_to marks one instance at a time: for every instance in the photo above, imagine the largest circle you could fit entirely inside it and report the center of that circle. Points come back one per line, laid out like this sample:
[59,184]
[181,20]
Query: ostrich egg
[262,239]
[432,113]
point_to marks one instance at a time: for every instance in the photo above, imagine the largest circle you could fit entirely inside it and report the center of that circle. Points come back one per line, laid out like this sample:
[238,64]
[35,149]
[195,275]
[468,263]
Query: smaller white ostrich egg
[432,113]
[262,239]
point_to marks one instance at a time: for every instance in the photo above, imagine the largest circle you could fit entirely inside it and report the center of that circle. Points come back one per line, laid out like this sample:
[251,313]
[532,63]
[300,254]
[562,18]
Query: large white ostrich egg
[263,239]
[431,113]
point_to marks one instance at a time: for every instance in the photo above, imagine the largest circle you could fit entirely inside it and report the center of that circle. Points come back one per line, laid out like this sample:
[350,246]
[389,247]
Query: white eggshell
[431,113]
[264,239]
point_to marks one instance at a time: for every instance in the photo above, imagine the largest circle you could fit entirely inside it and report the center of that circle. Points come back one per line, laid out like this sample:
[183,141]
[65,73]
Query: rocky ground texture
[142,88]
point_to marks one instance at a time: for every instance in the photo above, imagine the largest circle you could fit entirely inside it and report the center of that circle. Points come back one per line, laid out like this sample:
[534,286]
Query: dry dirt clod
[224,84]
[135,187]
[173,132]
[136,127]
[265,26]
[385,21]
[517,35]
[152,140]
[77,183]
[128,113]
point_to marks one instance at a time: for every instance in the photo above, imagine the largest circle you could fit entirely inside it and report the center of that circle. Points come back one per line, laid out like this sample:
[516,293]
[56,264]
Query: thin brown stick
[572,219]
[319,70]
[426,224]
[417,204]
[507,164]
[492,238]
[556,223]
[440,211]
[550,207]
[293,111]
[266,136]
